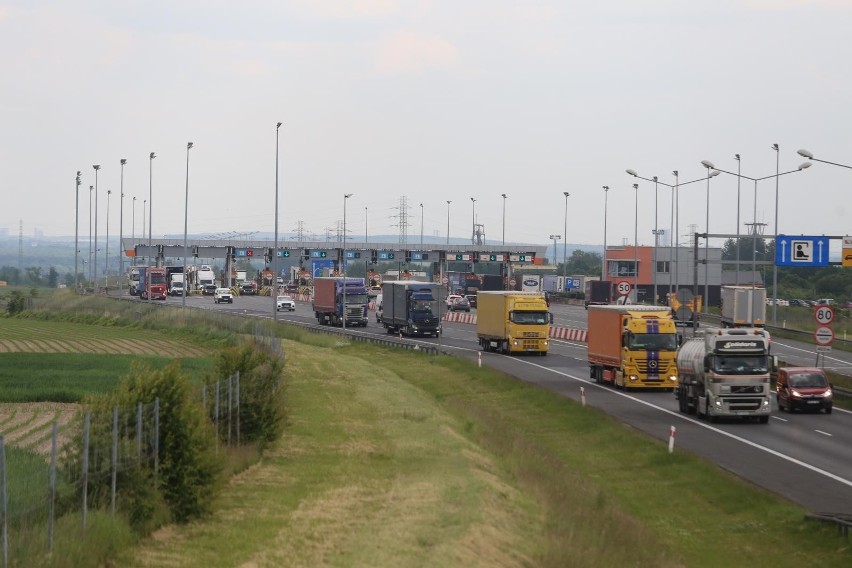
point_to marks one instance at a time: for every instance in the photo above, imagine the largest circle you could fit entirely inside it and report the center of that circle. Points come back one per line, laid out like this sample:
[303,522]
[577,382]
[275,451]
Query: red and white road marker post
[583,395]
[479,359]
[671,439]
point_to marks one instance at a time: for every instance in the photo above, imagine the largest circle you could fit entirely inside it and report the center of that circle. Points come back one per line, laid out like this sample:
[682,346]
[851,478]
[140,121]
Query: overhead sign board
[801,250]
[460,257]
[846,253]
[351,254]
[244,252]
[387,255]
[319,254]
[419,255]
[521,257]
[486,257]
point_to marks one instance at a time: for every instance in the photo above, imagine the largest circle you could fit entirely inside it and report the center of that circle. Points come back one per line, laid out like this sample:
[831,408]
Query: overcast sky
[431,100]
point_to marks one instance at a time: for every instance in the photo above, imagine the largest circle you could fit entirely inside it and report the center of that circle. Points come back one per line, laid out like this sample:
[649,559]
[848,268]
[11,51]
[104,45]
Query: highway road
[804,457]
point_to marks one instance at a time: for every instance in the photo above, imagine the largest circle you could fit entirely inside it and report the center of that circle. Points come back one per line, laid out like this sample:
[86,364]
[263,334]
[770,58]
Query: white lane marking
[823,433]
[779,418]
[680,416]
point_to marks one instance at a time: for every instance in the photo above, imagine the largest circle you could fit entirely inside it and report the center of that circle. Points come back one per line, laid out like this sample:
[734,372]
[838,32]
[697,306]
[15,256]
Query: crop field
[35,336]
[48,367]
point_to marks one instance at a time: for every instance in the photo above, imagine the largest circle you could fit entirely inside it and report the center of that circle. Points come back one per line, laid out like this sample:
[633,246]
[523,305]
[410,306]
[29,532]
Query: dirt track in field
[133,347]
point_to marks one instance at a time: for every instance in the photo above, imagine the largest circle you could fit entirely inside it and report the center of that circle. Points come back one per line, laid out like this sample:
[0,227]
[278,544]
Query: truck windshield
[741,364]
[528,318]
[652,341]
[424,306]
[355,298]
[158,279]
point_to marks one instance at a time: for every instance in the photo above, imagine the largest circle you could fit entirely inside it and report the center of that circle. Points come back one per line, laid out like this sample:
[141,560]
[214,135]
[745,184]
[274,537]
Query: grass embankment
[401,459]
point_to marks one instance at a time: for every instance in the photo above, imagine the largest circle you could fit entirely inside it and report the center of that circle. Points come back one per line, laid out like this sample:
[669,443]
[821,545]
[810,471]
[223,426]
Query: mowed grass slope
[403,459]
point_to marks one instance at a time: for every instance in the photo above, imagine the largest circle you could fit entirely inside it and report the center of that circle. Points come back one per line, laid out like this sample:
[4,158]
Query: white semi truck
[725,373]
[743,306]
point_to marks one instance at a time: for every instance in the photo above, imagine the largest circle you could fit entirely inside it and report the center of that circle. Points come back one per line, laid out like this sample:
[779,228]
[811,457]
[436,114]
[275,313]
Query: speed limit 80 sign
[824,315]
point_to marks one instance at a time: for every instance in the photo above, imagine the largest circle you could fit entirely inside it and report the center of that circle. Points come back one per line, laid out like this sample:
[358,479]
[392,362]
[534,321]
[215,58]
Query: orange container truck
[632,346]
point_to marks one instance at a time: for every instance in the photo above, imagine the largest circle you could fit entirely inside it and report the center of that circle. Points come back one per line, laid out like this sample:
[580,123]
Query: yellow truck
[513,322]
[633,346]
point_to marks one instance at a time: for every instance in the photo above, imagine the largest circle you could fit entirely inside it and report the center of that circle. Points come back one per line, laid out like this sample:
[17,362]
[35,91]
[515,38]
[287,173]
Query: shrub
[261,396]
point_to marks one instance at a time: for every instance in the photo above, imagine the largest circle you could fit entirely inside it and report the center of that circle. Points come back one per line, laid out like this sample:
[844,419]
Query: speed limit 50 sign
[623,287]
[824,315]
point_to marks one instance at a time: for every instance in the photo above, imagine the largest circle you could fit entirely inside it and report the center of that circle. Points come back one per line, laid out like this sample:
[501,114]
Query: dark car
[247,288]
[471,299]
[459,305]
[797,302]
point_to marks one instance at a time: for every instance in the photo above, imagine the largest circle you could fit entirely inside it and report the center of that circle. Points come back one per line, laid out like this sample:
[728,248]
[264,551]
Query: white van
[379,308]
[825,302]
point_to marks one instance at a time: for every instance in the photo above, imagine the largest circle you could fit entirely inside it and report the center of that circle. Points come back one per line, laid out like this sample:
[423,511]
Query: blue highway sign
[801,250]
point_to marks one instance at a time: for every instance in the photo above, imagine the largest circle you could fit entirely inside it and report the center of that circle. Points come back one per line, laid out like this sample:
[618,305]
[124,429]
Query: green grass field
[68,377]
[399,459]
[393,458]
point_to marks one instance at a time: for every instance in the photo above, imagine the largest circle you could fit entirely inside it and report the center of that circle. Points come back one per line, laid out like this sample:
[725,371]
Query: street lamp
[421,228]
[675,221]
[91,187]
[803,166]
[95,269]
[185,225]
[810,156]
[737,280]
[106,251]
[473,234]
[133,225]
[636,244]
[151,157]
[709,165]
[144,209]
[565,234]
[504,217]
[603,259]
[555,238]
[366,234]
[448,222]
[76,232]
[346,196]
[121,227]
[275,249]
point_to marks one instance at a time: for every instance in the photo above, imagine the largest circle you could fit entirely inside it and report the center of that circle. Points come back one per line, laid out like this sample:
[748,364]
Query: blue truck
[330,302]
[411,308]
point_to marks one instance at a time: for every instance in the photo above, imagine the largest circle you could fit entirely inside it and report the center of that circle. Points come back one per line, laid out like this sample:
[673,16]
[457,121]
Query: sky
[433,101]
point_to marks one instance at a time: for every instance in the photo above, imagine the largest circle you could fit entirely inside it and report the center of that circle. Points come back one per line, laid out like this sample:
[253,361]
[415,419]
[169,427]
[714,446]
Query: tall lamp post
[737,279]
[565,239]
[603,257]
[504,196]
[106,250]
[421,227]
[76,233]
[274,259]
[96,167]
[473,234]
[636,244]
[133,225]
[448,222]
[91,188]
[709,165]
[675,221]
[151,157]
[121,227]
[775,266]
[803,166]
[555,238]
[185,224]
[346,197]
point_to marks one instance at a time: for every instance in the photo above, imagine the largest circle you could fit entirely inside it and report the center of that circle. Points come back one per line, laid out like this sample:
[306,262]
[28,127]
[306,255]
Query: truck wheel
[764,420]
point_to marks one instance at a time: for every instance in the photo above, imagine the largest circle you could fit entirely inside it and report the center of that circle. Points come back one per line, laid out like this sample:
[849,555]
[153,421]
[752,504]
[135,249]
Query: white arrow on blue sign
[801,250]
